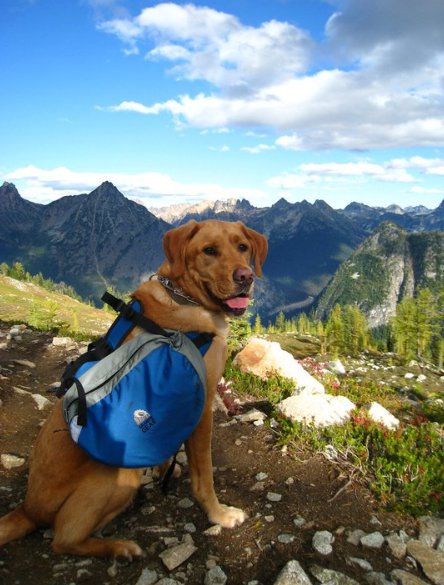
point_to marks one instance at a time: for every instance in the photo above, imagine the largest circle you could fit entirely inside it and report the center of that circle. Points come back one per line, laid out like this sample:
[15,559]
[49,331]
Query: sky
[180,102]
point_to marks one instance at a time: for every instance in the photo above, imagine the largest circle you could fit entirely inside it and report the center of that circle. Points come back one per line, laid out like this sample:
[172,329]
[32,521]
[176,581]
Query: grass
[22,302]
[404,468]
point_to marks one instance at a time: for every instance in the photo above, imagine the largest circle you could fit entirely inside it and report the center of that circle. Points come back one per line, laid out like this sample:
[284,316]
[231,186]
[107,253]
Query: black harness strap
[128,312]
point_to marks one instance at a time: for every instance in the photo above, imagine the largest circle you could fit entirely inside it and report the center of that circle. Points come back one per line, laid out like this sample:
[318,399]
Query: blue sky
[178,102]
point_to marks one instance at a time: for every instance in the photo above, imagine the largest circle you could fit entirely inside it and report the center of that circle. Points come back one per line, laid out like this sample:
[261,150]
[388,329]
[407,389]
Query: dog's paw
[227,516]
[127,549]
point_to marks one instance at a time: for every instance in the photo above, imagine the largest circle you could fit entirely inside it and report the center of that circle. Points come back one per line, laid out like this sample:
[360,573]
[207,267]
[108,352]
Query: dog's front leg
[198,448]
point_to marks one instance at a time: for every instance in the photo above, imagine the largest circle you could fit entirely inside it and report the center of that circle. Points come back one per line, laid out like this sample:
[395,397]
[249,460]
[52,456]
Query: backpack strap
[132,312]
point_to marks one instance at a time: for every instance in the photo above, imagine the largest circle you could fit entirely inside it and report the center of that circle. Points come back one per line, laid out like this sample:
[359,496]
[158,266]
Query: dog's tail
[15,525]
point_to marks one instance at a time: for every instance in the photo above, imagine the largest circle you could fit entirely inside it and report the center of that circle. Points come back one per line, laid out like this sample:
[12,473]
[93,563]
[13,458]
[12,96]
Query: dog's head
[211,261]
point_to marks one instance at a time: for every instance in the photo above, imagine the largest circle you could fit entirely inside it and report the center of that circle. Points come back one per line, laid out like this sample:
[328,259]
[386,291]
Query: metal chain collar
[166,283]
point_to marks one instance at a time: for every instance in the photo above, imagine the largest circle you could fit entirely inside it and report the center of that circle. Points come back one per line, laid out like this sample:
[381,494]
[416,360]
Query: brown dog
[208,262]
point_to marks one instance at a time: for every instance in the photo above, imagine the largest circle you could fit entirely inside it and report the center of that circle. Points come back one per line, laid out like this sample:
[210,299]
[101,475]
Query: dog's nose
[243,276]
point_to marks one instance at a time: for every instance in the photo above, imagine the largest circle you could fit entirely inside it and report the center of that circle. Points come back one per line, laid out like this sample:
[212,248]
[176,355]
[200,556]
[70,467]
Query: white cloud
[382,89]
[258,149]
[43,186]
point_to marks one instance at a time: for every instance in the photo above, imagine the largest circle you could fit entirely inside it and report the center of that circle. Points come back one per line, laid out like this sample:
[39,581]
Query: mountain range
[102,239]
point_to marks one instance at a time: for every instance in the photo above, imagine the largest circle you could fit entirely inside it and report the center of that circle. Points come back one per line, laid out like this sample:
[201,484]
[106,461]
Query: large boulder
[320,410]
[262,358]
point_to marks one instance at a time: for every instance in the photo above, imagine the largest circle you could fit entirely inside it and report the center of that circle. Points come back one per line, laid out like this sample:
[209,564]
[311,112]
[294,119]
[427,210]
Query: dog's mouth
[236,305]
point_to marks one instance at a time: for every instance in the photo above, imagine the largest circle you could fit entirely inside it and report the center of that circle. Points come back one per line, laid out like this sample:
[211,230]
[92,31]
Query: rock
[147,577]
[175,556]
[321,410]
[322,542]
[381,415]
[11,461]
[355,537]
[261,476]
[215,576]
[169,581]
[331,577]
[292,574]
[397,546]
[374,578]
[260,357]
[337,367]
[185,503]
[41,401]
[66,342]
[431,561]
[252,416]
[25,363]
[286,538]
[430,529]
[299,521]
[406,578]
[272,497]
[361,563]
[190,527]
[213,530]
[374,540]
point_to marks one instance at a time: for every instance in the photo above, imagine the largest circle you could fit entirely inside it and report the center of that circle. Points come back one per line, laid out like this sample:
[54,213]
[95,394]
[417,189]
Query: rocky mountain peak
[108,193]
[9,196]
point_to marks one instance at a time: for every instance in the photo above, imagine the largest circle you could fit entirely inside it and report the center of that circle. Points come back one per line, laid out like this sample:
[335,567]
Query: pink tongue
[237,302]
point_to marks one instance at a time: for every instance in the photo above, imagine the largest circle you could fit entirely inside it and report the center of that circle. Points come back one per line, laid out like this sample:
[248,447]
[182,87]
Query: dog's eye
[242,247]
[210,251]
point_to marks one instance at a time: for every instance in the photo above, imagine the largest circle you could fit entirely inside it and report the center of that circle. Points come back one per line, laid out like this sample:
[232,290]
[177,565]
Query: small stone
[286,538]
[361,563]
[41,401]
[190,527]
[397,546]
[375,540]
[273,497]
[322,542]
[406,578]
[269,518]
[430,529]
[175,556]
[252,416]
[374,578]
[215,576]
[261,476]
[112,570]
[292,574]
[10,461]
[238,442]
[213,530]
[299,521]
[25,363]
[147,577]
[185,503]
[259,486]
[331,577]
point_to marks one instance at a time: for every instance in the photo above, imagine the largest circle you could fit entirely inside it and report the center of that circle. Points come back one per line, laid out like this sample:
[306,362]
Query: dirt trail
[257,550]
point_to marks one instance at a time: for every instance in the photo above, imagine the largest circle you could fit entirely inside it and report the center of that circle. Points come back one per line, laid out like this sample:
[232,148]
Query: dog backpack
[133,404]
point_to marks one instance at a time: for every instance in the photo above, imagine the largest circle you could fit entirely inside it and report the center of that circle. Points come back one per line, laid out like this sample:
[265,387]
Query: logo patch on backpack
[143,420]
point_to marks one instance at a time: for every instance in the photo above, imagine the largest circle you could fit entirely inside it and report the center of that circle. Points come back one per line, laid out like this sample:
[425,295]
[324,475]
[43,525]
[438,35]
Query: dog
[207,276]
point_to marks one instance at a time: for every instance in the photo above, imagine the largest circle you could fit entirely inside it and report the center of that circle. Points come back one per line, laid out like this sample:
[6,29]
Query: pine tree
[334,331]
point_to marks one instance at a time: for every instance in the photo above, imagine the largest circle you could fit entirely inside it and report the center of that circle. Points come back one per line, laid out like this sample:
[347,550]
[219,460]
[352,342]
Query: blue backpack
[134,404]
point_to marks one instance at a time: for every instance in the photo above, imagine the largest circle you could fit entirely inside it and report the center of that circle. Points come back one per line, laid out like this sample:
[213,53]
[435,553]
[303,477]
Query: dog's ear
[174,244]
[259,245]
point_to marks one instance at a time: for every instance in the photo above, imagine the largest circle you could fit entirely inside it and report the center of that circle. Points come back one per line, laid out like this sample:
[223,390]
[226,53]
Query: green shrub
[404,468]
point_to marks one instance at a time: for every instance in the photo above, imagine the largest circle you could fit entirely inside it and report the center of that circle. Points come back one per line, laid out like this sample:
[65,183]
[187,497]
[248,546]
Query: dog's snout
[243,276]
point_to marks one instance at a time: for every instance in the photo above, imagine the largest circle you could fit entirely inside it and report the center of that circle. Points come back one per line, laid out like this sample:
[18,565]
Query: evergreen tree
[334,331]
